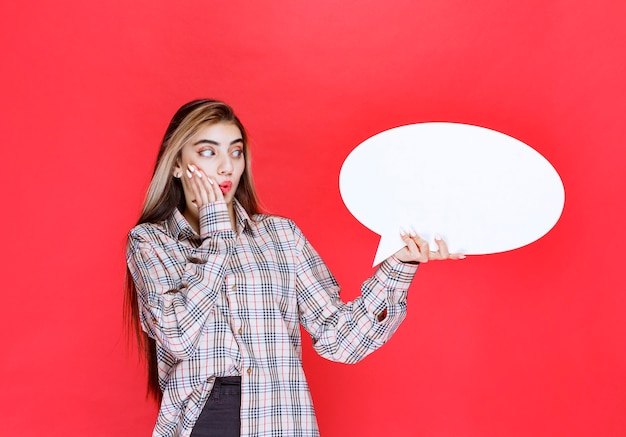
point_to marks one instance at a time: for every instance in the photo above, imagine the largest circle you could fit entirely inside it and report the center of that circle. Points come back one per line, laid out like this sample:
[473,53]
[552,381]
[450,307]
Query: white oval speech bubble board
[481,190]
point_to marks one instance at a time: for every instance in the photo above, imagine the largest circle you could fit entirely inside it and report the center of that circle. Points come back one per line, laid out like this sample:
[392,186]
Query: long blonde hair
[165,193]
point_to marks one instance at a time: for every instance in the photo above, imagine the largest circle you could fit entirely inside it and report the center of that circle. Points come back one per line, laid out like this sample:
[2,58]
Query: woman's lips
[226,186]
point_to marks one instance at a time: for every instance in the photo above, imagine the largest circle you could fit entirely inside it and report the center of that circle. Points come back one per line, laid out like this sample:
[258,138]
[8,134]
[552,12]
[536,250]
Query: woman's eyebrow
[215,143]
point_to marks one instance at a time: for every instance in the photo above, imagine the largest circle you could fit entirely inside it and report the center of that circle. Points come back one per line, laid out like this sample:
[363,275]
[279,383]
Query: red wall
[525,343]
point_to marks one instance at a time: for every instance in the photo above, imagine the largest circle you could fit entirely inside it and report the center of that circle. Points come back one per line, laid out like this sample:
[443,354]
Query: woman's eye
[206,152]
[237,153]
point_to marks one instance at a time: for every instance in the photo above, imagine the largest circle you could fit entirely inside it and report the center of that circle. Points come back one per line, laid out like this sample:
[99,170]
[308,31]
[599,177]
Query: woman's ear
[177,172]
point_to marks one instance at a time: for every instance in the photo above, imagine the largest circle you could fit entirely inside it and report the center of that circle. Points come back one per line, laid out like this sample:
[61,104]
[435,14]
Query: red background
[525,343]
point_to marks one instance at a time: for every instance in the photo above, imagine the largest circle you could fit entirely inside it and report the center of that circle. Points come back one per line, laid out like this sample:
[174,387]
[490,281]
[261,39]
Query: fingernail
[437,237]
[402,232]
[413,233]
[199,175]
[462,257]
[191,167]
[189,173]
[210,181]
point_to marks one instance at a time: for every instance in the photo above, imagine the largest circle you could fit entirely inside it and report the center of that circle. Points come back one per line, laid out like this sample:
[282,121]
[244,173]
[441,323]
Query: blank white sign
[481,190]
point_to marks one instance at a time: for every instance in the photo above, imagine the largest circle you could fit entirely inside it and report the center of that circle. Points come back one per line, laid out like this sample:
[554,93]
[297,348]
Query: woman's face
[217,150]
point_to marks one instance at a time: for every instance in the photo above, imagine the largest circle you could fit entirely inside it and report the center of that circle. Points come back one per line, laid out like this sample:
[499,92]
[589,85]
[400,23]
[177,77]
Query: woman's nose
[226,166]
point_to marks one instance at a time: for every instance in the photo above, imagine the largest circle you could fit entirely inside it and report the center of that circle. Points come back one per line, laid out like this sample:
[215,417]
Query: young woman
[217,291]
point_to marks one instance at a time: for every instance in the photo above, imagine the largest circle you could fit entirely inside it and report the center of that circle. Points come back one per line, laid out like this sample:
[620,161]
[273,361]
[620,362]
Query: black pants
[220,415]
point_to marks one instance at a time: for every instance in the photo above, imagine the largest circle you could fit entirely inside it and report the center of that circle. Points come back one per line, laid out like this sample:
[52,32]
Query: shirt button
[249,371]
[234,287]
[394,274]
[240,331]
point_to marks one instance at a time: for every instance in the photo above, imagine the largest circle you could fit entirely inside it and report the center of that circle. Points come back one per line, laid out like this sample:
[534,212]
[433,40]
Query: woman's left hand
[418,250]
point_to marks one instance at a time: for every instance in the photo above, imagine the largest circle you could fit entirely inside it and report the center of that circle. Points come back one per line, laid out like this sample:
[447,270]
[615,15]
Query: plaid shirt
[227,303]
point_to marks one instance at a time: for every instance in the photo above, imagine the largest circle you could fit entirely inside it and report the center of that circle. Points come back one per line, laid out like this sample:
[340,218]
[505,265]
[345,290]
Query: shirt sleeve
[348,332]
[177,291]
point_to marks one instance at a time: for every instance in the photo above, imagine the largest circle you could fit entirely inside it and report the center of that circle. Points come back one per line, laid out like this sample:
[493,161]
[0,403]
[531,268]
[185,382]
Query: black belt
[228,380]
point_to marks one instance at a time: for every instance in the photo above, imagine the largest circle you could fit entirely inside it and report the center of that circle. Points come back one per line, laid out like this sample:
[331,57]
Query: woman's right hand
[203,189]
